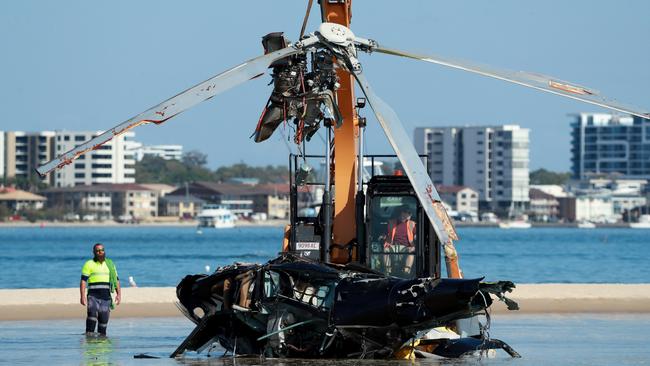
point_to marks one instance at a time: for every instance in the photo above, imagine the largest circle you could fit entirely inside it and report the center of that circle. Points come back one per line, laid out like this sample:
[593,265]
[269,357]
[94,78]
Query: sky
[88,65]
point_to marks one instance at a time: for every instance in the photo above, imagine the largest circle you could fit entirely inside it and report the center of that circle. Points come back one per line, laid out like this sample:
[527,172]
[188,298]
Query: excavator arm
[345,146]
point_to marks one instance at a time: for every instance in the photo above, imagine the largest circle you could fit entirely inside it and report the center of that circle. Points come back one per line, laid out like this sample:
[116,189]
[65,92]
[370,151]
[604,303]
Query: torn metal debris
[293,307]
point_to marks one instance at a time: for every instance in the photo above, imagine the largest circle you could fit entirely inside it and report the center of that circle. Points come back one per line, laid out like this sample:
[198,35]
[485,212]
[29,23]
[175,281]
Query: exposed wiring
[285,139]
[485,329]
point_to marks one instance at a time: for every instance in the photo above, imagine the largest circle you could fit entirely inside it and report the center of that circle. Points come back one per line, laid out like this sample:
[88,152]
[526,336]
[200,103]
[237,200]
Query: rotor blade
[536,81]
[175,105]
[417,174]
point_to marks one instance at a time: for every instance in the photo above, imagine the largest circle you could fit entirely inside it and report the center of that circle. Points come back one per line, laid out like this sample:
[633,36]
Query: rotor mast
[345,145]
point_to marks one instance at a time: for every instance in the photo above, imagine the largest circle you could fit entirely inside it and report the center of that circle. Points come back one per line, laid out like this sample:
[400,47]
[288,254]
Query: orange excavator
[359,275]
[350,241]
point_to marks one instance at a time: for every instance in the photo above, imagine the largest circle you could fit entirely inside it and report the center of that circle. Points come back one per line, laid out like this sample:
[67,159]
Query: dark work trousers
[98,313]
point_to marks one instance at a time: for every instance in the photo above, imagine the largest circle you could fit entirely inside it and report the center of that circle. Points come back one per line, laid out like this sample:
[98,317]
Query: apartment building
[106,200]
[111,163]
[492,160]
[606,143]
[22,152]
[242,200]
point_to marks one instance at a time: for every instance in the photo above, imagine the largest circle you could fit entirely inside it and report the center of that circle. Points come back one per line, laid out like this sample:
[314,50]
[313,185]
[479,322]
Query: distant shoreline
[268,223]
[45,224]
[567,225]
[41,304]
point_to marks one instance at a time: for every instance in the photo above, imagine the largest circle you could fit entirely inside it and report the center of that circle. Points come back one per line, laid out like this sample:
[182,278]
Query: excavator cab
[396,237]
[400,240]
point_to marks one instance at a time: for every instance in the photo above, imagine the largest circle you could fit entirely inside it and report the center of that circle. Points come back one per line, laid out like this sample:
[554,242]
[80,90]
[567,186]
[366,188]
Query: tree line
[543,176]
[193,167]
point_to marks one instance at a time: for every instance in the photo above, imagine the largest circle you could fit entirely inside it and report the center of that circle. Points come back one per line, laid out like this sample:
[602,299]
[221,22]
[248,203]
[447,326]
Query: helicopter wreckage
[298,307]
[293,307]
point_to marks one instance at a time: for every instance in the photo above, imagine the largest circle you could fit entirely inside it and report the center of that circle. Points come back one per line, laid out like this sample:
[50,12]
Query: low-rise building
[625,195]
[459,198]
[180,206]
[596,209]
[241,200]
[587,208]
[134,201]
[95,200]
[16,200]
[161,190]
[272,200]
[544,207]
[106,200]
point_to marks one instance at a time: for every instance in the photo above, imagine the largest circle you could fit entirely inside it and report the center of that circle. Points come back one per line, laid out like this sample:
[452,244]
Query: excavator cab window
[399,239]
[394,235]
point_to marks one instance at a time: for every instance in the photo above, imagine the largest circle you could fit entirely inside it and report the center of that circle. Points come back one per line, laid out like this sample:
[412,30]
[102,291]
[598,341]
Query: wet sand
[36,304]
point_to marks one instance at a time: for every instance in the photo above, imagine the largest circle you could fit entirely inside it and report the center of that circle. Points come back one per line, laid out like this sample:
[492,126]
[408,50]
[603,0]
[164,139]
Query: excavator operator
[400,239]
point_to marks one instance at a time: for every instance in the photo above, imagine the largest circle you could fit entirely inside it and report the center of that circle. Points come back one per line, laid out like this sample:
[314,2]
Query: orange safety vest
[392,229]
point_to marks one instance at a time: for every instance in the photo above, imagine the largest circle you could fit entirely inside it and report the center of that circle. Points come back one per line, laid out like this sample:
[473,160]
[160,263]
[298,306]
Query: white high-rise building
[167,152]
[22,152]
[493,160]
[110,163]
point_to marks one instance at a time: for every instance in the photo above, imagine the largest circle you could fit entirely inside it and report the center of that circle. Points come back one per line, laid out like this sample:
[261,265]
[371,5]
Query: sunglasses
[99,251]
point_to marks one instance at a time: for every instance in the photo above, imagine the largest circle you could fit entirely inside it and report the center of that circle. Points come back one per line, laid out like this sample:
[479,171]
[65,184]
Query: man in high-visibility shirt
[400,239]
[101,275]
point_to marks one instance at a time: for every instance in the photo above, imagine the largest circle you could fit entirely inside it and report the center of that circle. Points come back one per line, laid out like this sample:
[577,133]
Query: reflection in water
[97,350]
[549,339]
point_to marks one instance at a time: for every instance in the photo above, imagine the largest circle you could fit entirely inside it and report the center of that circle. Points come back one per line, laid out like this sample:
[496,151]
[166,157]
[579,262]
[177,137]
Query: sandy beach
[35,304]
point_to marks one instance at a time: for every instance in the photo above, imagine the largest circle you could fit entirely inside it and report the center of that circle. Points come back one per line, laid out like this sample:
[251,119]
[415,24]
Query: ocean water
[51,257]
[587,339]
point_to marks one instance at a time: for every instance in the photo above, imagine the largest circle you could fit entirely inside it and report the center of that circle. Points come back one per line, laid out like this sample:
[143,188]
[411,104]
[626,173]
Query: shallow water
[162,256]
[587,339]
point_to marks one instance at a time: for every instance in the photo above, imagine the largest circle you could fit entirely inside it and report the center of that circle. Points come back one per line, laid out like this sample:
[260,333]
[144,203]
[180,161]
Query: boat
[585,224]
[216,216]
[643,223]
[515,224]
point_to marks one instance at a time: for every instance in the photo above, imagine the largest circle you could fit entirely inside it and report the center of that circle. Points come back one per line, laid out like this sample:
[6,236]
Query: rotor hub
[336,33]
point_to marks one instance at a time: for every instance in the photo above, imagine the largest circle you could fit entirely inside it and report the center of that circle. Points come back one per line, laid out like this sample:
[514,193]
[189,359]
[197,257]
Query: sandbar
[44,304]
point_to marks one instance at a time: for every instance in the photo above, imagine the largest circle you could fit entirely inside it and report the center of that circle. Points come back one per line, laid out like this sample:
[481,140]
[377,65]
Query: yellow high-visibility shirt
[98,277]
